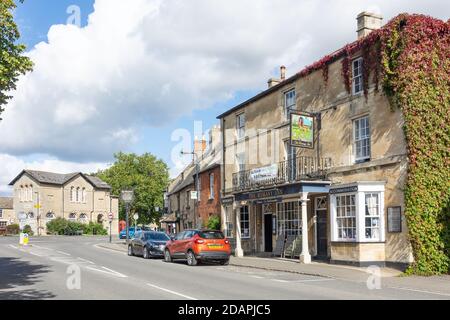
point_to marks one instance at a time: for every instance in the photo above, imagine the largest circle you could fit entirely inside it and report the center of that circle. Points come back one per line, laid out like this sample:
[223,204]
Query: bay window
[357,214]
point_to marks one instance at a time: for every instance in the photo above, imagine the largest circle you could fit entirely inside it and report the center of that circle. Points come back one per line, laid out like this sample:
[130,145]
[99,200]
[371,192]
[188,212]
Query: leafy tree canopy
[146,175]
[12,61]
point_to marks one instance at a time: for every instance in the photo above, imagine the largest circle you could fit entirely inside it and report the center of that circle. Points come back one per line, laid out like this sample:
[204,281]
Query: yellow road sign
[38,206]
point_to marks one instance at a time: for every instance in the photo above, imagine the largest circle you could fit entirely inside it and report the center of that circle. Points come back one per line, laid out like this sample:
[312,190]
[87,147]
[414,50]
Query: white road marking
[278,280]
[257,277]
[313,280]
[108,271]
[421,291]
[172,292]
[90,262]
[35,254]
[14,247]
[63,253]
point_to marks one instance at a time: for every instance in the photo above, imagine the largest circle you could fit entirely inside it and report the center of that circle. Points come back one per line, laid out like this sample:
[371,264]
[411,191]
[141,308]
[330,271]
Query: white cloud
[12,166]
[143,62]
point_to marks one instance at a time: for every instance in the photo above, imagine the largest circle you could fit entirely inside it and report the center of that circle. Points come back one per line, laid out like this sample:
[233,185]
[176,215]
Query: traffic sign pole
[111,216]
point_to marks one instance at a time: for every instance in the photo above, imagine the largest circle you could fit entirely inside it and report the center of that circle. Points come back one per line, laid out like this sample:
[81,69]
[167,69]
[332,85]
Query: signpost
[194,195]
[136,217]
[22,223]
[110,216]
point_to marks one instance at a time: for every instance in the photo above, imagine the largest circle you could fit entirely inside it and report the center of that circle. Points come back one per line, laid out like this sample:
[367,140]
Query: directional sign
[136,216]
[37,206]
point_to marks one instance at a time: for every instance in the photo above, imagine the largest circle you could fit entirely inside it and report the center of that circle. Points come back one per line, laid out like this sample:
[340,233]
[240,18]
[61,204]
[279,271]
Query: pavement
[71,268]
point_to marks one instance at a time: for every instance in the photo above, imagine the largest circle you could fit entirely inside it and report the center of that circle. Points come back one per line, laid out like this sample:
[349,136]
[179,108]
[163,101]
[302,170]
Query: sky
[134,76]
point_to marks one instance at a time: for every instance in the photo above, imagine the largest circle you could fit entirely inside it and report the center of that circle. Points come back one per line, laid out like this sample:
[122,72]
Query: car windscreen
[156,236]
[211,235]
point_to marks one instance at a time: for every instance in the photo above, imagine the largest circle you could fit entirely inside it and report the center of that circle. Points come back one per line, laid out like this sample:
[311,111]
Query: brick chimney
[367,22]
[200,146]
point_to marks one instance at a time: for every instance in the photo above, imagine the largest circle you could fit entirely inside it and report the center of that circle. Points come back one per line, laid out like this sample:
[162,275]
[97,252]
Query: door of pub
[322,231]
[268,245]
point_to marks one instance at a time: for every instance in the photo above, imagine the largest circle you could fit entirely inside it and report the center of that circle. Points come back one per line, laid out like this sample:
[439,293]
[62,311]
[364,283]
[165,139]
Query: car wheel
[191,259]
[145,254]
[167,256]
[225,262]
[130,251]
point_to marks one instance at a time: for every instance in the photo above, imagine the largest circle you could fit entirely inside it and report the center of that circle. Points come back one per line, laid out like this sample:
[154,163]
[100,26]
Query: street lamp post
[127,197]
[196,183]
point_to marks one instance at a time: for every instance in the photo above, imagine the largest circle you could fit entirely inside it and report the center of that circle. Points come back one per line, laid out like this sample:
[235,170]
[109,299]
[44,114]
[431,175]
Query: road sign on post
[111,217]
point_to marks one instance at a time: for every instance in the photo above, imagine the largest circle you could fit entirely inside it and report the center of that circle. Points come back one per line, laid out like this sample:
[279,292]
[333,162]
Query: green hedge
[62,226]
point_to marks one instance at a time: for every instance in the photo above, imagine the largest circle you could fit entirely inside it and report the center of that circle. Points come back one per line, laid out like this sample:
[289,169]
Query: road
[48,269]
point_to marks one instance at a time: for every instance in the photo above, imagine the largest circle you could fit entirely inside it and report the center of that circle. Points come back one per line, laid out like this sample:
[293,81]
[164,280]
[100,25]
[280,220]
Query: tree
[146,175]
[12,61]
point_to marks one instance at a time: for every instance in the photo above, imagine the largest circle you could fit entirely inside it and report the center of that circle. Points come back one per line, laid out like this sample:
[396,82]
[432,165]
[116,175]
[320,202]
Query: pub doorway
[321,210]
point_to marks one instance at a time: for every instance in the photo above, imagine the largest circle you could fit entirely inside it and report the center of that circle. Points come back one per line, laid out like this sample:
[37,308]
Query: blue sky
[36,17]
[136,71]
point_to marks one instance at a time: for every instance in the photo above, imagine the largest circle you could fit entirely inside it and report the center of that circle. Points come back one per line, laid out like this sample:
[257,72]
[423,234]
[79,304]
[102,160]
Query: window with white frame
[199,188]
[289,102]
[228,222]
[346,217]
[240,125]
[358,216]
[78,195]
[357,75]
[83,195]
[240,159]
[211,186]
[1,213]
[30,193]
[245,222]
[73,216]
[372,217]
[361,136]
[72,194]
[288,218]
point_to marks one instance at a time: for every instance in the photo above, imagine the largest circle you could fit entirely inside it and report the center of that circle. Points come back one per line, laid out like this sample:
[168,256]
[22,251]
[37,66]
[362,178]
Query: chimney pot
[367,22]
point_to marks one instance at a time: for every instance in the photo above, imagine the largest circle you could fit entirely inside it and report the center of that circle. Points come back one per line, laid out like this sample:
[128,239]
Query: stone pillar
[238,251]
[305,257]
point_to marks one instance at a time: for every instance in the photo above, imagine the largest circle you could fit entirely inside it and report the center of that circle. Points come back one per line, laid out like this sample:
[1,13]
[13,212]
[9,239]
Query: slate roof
[6,203]
[61,179]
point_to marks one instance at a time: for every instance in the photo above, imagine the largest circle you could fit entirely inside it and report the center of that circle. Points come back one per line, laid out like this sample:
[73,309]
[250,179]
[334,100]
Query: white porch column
[238,251]
[305,257]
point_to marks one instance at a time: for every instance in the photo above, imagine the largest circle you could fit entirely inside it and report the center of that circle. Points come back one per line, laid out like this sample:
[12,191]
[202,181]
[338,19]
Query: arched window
[73,216]
[72,194]
[50,216]
[84,218]
[100,218]
[30,193]
[78,198]
[21,194]
[83,195]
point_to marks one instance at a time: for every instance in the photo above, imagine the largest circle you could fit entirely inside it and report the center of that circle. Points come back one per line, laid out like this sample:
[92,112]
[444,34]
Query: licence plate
[161,247]
[215,246]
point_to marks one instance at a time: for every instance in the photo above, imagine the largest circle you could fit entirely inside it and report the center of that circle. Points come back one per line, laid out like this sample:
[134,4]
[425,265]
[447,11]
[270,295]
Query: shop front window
[346,217]
[359,216]
[372,219]
[245,222]
[288,218]
[228,222]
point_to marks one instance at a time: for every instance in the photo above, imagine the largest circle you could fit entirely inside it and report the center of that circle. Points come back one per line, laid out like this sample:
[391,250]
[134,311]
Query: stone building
[339,197]
[187,212]
[7,216]
[44,196]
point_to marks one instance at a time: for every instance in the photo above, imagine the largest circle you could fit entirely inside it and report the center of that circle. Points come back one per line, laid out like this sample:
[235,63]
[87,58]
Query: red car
[198,245]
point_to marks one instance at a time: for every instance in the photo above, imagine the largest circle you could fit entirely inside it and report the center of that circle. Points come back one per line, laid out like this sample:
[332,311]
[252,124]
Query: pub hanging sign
[302,130]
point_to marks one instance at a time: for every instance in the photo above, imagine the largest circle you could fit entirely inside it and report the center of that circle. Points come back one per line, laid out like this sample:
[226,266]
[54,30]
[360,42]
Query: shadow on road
[16,273]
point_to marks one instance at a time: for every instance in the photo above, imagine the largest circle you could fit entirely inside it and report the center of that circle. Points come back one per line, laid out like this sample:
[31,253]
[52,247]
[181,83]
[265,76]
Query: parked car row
[194,246]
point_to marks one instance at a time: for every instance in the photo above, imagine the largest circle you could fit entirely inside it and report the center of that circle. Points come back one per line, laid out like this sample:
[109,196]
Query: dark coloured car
[148,244]
[198,245]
